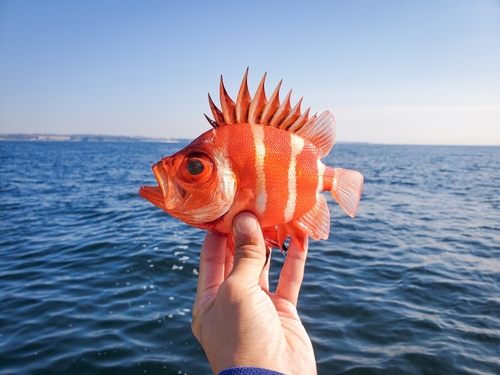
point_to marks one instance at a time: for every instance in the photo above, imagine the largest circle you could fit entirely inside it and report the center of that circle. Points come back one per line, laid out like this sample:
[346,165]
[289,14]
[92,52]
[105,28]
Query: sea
[96,280]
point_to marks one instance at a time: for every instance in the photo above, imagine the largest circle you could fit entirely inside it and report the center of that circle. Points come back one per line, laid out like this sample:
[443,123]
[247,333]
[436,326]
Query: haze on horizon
[391,72]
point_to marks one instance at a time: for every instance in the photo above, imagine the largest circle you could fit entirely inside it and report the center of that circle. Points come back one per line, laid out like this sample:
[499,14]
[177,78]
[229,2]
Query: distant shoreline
[40,137]
[43,137]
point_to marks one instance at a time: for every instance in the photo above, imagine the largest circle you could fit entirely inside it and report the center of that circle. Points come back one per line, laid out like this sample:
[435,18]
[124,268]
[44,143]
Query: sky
[391,72]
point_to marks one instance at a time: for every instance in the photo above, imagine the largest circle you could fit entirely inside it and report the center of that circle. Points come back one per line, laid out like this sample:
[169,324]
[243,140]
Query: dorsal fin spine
[216,112]
[258,103]
[227,104]
[243,101]
[211,122]
[282,112]
[301,121]
[292,116]
[272,105]
[318,130]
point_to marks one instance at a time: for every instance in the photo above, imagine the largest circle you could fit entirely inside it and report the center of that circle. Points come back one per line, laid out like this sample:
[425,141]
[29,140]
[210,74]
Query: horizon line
[76,137]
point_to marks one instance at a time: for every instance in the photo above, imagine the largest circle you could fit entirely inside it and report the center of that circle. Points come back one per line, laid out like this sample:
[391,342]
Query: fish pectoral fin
[346,189]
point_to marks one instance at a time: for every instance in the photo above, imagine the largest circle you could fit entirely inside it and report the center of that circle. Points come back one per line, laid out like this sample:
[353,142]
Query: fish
[262,156]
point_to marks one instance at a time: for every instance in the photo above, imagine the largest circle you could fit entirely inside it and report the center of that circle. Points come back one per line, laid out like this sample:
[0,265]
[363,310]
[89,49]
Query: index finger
[292,273]
[212,261]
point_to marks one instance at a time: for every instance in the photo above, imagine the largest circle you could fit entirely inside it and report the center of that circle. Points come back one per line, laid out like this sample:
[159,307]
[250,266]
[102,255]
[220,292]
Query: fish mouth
[154,195]
[167,195]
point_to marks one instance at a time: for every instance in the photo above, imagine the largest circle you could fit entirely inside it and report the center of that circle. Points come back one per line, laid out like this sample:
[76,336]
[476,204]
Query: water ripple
[96,280]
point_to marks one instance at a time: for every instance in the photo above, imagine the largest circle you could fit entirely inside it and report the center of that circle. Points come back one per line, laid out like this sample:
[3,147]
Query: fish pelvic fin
[346,188]
[270,235]
[297,234]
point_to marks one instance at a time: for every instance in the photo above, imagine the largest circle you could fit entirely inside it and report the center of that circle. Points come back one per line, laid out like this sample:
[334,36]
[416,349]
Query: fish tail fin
[346,189]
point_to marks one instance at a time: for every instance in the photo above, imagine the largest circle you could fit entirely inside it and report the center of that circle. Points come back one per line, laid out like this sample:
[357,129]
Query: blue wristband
[248,371]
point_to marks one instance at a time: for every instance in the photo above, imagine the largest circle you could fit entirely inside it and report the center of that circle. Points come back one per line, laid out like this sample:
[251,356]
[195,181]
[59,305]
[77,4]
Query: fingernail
[245,224]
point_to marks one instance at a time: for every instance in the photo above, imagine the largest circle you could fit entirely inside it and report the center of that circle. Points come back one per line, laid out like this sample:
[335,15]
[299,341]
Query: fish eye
[195,166]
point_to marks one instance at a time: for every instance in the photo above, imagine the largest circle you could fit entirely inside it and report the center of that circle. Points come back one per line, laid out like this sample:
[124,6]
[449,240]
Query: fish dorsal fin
[258,103]
[282,111]
[243,101]
[211,122]
[300,121]
[320,131]
[216,112]
[271,106]
[292,116]
[227,105]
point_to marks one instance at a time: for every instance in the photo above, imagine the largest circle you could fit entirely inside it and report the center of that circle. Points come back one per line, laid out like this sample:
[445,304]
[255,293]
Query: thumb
[249,248]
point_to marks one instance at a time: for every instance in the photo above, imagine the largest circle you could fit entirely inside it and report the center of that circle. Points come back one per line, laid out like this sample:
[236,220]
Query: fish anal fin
[316,223]
[320,132]
[346,189]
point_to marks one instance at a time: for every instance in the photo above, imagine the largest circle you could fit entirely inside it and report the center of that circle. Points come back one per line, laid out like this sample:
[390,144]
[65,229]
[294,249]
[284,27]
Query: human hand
[236,319]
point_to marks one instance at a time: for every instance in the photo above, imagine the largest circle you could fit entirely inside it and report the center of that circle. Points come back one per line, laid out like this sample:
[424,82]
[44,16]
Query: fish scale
[261,156]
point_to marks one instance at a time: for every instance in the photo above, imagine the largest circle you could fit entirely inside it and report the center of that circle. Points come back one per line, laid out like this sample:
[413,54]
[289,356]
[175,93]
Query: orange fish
[261,156]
